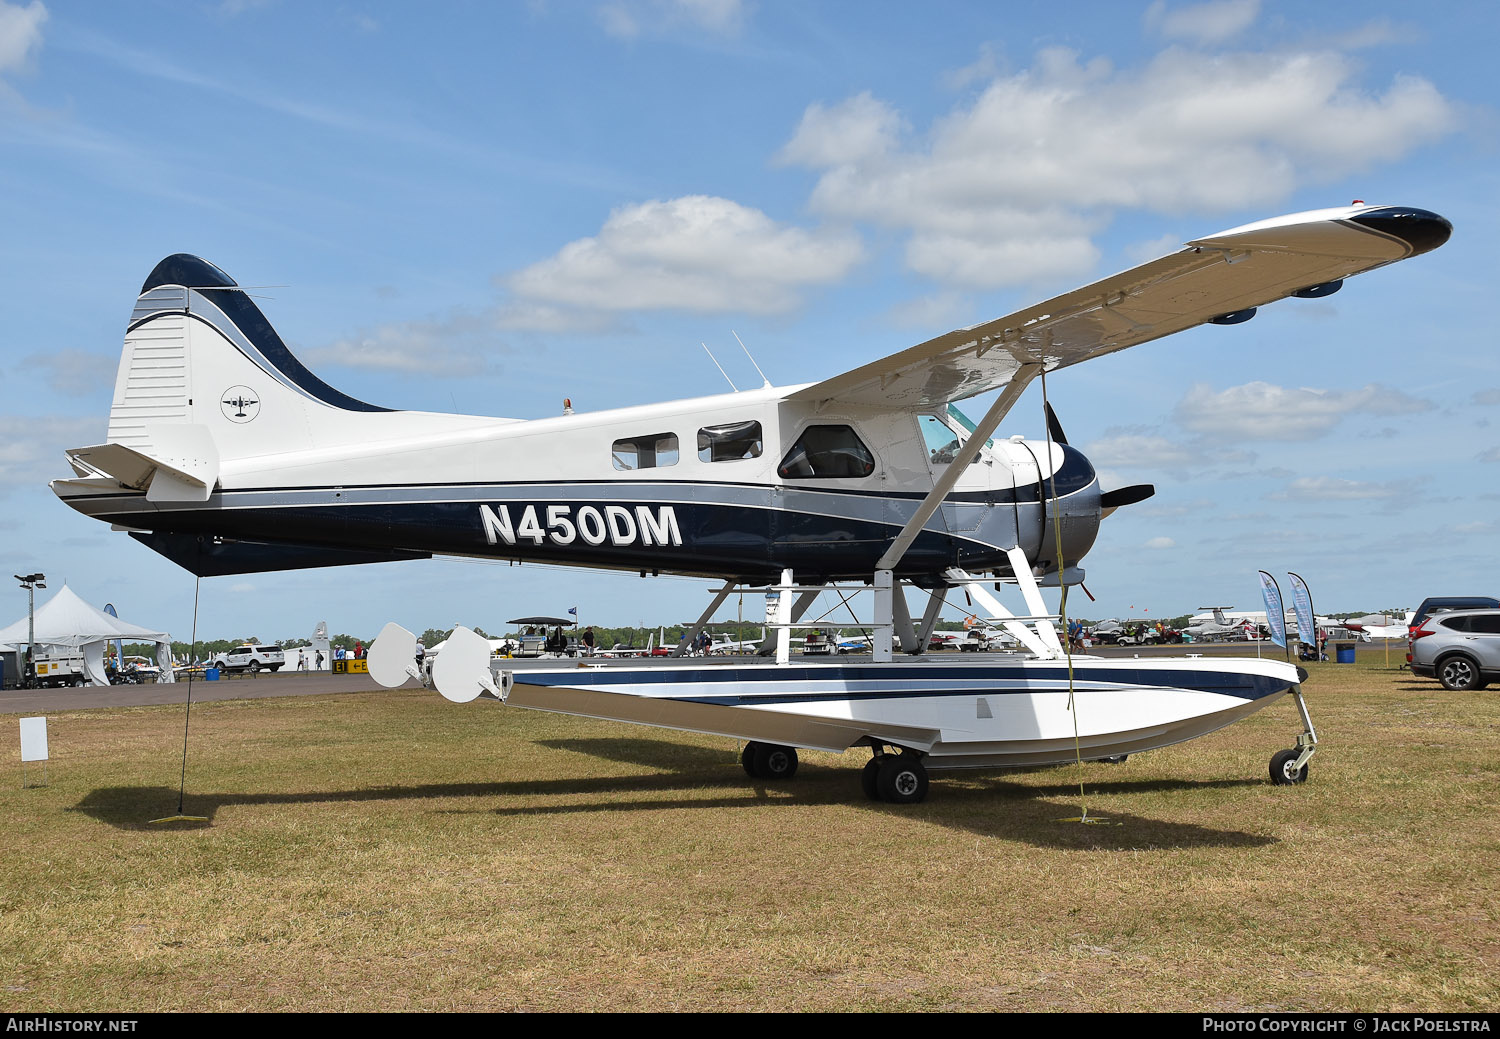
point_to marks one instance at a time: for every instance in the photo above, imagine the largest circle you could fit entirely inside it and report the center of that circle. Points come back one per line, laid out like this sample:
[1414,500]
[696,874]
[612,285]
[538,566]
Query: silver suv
[1460,648]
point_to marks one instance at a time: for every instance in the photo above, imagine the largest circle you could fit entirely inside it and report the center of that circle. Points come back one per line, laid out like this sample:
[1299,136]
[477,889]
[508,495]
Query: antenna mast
[745,348]
[719,366]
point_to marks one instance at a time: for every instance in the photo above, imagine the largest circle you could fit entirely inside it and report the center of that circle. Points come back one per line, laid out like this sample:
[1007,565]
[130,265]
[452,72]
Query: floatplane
[225,454]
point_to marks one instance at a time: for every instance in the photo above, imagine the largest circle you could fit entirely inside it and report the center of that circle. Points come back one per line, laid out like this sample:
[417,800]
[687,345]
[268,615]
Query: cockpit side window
[827,452]
[729,442]
[647,452]
[942,443]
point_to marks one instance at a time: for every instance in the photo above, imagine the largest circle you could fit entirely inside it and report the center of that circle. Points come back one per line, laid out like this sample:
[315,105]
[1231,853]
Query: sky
[486,208]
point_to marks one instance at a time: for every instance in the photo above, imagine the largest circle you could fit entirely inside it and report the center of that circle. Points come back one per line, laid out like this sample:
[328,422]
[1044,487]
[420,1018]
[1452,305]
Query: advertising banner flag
[1275,612]
[109,608]
[1307,624]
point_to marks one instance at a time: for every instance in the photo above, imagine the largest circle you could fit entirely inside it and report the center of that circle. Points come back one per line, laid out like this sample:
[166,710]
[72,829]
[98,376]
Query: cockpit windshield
[963,421]
[945,435]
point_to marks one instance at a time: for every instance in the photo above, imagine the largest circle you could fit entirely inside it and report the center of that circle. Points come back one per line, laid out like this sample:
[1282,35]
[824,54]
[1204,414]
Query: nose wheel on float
[1289,767]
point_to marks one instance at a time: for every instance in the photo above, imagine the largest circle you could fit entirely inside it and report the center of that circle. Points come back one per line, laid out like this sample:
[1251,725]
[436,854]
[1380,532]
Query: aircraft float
[225,454]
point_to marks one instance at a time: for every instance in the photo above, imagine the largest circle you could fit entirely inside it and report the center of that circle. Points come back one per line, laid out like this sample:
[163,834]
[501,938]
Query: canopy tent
[66,622]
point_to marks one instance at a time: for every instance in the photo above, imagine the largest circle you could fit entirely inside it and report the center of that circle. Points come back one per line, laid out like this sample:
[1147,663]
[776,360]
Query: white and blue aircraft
[225,454]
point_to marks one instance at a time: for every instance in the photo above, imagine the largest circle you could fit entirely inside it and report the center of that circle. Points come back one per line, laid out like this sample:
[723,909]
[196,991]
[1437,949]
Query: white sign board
[33,739]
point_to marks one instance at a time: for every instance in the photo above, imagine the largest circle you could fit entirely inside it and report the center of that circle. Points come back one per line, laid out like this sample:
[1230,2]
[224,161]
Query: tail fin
[198,351]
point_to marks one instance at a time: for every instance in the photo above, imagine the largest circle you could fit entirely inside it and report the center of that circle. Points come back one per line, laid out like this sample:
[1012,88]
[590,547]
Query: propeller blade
[1109,501]
[1053,426]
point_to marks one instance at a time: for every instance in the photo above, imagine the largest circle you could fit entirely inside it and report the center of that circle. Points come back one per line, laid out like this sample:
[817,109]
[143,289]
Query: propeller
[1109,501]
[1054,427]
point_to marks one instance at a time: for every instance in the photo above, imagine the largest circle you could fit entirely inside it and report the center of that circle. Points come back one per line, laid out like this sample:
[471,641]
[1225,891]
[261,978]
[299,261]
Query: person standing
[588,640]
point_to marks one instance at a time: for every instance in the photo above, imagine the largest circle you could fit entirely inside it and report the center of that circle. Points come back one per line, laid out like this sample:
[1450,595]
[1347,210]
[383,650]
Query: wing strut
[946,482]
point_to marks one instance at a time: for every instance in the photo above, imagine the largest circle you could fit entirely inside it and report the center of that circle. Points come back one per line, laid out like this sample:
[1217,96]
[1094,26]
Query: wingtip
[1421,229]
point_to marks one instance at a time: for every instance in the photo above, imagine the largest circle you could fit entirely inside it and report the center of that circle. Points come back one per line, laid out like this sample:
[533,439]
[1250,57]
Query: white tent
[67,622]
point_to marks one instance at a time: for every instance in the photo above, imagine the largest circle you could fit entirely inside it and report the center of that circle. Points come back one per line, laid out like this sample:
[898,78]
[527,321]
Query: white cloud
[628,19]
[31,447]
[1335,488]
[695,253]
[1150,451]
[20,33]
[1011,186]
[933,314]
[1263,411]
[1212,22]
[76,371]
[417,347]
[1487,396]
[1151,249]
[1161,543]
[854,130]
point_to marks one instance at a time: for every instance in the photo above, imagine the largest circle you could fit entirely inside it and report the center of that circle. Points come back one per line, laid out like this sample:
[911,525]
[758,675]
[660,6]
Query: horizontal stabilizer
[183,464]
[207,556]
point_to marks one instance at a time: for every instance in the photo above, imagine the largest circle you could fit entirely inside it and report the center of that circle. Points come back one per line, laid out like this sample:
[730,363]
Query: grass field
[394,851]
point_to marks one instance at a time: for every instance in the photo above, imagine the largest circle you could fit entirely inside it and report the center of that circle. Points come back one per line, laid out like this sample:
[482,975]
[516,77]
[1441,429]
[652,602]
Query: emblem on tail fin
[239,403]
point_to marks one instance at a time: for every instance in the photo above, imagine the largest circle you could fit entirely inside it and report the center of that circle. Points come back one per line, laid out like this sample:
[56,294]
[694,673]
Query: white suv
[252,658]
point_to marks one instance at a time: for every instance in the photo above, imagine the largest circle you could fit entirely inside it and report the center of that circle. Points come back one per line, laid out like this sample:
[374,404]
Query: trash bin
[1343,652]
[211,675]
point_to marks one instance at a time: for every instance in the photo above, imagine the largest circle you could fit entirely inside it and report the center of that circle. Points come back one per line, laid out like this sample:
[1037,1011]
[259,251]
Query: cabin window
[827,452]
[729,442]
[648,452]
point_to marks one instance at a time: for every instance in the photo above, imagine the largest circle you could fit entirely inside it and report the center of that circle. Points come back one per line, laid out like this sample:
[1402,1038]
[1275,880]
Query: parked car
[1435,603]
[1460,648]
[252,658]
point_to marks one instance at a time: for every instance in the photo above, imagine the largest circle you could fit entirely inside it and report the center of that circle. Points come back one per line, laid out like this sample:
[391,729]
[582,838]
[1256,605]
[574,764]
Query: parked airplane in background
[225,454]
[1221,628]
[1380,625]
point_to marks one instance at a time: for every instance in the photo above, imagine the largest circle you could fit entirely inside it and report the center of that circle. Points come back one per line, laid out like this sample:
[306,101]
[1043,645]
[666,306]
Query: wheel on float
[1282,771]
[747,759]
[868,779]
[902,779]
[773,761]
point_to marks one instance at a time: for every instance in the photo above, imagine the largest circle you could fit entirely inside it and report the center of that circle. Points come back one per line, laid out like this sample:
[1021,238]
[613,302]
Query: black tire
[868,779]
[902,780]
[773,761]
[1281,768]
[255,667]
[1459,674]
[275,668]
[747,759]
[1116,759]
[78,683]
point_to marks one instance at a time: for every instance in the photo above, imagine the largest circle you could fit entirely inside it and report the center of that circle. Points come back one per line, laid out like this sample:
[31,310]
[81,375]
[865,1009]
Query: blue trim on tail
[196,273]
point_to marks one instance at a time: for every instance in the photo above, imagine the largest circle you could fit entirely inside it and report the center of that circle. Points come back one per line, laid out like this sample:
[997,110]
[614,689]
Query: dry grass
[393,851]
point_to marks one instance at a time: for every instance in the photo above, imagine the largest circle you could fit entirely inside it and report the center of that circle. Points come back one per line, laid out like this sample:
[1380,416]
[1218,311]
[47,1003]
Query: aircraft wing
[1215,278]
